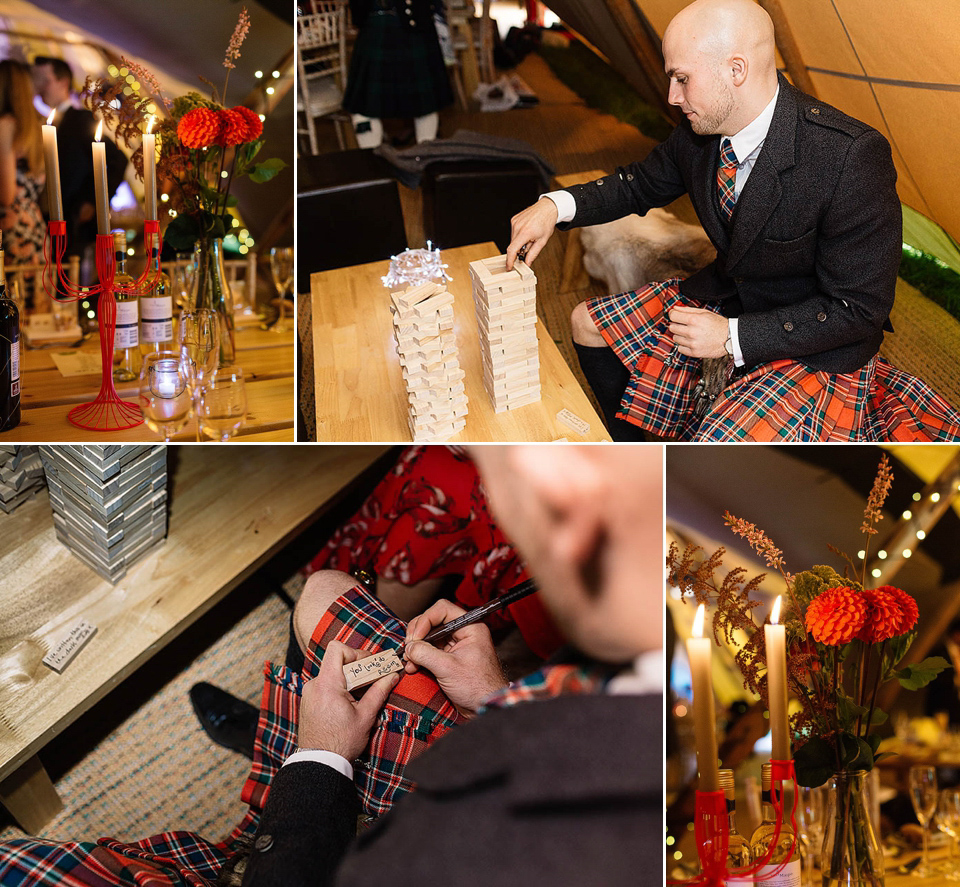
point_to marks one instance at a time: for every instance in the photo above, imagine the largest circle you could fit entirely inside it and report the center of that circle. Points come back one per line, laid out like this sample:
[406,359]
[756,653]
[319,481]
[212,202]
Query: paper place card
[77,363]
[366,671]
[63,653]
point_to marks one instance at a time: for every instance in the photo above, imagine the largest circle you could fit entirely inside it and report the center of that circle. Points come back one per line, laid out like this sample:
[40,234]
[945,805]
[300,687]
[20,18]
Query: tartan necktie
[727,179]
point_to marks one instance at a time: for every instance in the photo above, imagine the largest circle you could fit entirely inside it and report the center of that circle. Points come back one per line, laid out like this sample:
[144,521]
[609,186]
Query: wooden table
[229,511]
[47,396]
[359,387]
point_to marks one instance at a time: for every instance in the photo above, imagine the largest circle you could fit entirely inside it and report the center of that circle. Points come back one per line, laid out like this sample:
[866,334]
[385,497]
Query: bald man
[800,202]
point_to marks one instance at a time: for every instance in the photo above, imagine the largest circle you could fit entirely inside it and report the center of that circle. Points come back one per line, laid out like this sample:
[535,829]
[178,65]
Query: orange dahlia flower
[234,131]
[253,122]
[199,128]
[908,608]
[836,615]
[883,619]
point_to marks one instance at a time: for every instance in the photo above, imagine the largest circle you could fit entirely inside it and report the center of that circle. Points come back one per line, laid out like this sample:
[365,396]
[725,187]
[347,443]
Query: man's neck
[755,107]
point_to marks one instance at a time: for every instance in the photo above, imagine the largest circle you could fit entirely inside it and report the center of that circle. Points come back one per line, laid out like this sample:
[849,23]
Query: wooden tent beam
[645,45]
[789,50]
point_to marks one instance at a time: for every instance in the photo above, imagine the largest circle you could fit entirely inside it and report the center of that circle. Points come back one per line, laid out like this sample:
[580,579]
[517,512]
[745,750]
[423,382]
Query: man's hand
[698,332]
[330,717]
[531,228]
[467,667]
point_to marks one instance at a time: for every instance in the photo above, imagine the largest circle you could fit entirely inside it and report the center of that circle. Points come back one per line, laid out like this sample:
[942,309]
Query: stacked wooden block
[109,502]
[423,324]
[506,303]
[21,475]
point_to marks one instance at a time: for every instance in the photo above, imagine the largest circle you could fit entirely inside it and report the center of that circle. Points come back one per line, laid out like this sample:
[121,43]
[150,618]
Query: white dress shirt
[746,145]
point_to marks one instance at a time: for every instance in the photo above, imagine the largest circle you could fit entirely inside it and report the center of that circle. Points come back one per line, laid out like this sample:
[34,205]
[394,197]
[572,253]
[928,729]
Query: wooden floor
[572,138]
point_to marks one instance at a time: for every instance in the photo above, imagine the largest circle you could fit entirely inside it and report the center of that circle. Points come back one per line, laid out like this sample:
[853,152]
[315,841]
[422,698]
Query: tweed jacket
[809,259]
[565,791]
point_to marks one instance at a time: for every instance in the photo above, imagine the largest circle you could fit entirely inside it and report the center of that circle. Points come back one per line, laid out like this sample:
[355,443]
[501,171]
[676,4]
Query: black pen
[478,614]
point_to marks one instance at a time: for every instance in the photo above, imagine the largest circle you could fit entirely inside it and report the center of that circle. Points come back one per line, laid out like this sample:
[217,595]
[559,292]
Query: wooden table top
[229,511]
[359,387]
[266,357]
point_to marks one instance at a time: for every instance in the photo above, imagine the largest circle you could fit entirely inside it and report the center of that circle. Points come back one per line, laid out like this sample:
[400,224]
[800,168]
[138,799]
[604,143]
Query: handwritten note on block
[571,420]
[62,654]
[366,671]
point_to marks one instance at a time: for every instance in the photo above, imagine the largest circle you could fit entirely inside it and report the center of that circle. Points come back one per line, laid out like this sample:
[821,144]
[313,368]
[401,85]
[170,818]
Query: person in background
[397,68]
[21,166]
[76,127]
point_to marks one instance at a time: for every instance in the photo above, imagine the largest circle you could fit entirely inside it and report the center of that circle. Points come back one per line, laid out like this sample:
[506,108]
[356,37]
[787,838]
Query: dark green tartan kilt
[395,71]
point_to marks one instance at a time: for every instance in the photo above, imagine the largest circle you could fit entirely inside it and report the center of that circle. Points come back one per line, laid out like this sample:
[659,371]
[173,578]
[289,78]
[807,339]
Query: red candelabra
[106,412]
[712,832]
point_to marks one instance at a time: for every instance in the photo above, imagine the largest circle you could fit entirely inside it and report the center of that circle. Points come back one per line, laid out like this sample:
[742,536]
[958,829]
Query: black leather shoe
[228,721]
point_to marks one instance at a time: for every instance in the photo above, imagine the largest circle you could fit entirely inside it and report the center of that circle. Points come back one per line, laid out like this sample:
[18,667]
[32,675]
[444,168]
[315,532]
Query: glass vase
[211,290]
[851,853]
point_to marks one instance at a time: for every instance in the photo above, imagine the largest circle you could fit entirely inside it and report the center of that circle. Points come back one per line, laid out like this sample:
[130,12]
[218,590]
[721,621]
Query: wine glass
[923,796]
[948,821]
[281,268]
[810,821]
[164,393]
[184,273]
[199,335]
[222,406]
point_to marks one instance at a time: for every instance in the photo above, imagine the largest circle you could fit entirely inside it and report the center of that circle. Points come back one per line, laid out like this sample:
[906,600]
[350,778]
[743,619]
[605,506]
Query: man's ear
[739,67]
[568,485]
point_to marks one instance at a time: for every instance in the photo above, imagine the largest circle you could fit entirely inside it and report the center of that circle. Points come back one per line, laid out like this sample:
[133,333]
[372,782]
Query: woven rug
[158,770]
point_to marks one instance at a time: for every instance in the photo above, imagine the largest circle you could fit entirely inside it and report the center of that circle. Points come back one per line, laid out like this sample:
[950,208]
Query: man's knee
[584,330]
[319,593]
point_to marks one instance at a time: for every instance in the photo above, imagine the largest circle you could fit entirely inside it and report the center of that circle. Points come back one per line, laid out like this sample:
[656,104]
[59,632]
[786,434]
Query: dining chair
[28,275]
[321,68]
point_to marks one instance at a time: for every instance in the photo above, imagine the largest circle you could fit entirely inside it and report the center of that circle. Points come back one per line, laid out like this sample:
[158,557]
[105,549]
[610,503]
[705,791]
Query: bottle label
[15,366]
[126,332]
[739,882]
[789,875]
[156,319]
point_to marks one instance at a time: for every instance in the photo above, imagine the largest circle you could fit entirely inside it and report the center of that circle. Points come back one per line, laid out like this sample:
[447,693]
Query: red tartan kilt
[782,400]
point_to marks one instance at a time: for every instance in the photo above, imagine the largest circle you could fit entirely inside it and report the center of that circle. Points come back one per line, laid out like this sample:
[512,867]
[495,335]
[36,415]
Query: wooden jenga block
[571,420]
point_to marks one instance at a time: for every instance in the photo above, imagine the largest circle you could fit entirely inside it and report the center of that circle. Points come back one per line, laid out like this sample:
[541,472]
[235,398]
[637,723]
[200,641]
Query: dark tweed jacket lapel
[761,194]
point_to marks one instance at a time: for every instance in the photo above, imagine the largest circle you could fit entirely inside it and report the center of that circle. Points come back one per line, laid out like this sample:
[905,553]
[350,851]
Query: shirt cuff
[735,342]
[319,756]
[566,204]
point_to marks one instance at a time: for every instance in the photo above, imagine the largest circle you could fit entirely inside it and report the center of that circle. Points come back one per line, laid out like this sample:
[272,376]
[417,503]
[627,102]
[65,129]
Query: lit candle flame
[775,612]
[150,124]
[698,623]
[50,118]
[99,131]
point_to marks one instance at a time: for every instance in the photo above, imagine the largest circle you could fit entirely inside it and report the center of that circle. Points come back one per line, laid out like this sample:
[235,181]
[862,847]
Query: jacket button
[263,843]
[788,326]
[599,181]
[814,110]
[822,316]
[629,176]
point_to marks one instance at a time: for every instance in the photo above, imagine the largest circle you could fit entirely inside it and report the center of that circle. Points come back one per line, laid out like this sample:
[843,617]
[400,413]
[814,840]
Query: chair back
[28,276]
[321,64]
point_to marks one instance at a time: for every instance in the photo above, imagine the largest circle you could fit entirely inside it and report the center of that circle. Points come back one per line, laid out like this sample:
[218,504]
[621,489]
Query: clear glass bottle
[786,853]
[126,350]
[156,309]
[739,854]
[9,356]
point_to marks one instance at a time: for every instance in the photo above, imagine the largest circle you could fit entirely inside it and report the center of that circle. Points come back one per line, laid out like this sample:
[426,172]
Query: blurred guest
[21,166]
[76,127]
[397,68]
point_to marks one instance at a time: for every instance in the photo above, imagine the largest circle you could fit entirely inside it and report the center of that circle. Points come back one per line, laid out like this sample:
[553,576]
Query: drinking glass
[199,336]
[222,405]
[184,272]
[948,821]
[923,796]
[810,822]
[281,268]
[164,393]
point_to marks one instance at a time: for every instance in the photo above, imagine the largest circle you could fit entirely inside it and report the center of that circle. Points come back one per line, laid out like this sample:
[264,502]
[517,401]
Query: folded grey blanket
[410,163]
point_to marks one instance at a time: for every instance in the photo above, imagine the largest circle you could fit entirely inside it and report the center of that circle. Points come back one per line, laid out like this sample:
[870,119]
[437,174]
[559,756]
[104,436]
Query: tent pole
[788,48]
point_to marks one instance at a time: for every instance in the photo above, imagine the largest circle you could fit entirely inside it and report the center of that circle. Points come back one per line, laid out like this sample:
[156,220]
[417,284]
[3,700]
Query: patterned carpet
[156,769]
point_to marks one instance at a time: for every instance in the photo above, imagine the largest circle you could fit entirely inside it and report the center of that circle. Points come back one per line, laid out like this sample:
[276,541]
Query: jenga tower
[423,323]
[506,303]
